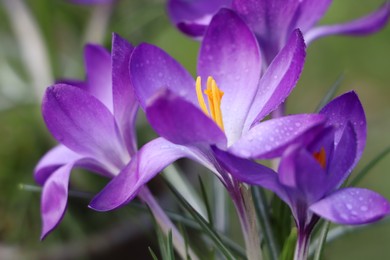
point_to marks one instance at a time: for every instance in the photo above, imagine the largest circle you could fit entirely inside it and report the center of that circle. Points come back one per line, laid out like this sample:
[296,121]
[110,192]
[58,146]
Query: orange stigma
[321,157]
[214,96]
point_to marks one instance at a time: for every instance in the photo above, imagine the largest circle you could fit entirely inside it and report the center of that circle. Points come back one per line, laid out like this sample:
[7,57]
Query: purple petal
[99,79]
[362,26]
[270,138]
[250,172]
[270,20]
[152,158]
[61,155]
[344,157]
[300,170]
[83,124]
[346,108]
[352,206]
[193,17]
[52,160]
[181,122]
[54,198]
[151,69]
[279,79]
[230,54]
[309,13]
[74,82]
[125,101]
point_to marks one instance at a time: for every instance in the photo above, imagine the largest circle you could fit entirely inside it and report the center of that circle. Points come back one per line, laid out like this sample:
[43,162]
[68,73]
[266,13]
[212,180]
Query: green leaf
[289,246]
[322,240]
[206,202]
[260,202]
[170,253]
[203,224]
[330,94]
[280,220]
[369,166]
[152,253]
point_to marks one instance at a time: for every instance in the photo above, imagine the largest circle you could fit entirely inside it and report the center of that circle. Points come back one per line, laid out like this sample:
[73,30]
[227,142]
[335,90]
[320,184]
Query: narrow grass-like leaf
[261,208]
[152,253]
[322,240]
[203,224]
[369,166]
[331,93]
[170,253]
[161,240]
[206,202]
[182,219]
[280,220]
[289,246]
[185,237]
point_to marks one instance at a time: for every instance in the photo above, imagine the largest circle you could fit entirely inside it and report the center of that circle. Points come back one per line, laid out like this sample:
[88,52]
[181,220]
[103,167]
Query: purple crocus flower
[273,20]
[238,100]
[94,123]
[310,173]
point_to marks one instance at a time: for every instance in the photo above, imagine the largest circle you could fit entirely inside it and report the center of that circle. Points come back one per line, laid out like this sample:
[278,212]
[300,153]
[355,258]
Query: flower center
[320,157]
[214,96]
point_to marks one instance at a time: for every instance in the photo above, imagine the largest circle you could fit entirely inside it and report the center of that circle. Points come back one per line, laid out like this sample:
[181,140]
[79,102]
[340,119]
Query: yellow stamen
[321,157]
[214,96]
[200,96]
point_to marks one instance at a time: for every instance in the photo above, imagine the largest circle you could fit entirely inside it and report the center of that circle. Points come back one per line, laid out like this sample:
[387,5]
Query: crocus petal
[61,155]
[362,26]
[147,163]
[346,108]
[83,124]
[300,170]
[193,17]
[309,13]
[352,206]
[344,157]
[99,79]
[270,138]
[230,54]
[152,69]
[250,172]
[54,198]
[74,82]
[279,79]
[55,158]
[181,122]
[125,101]
[270,20]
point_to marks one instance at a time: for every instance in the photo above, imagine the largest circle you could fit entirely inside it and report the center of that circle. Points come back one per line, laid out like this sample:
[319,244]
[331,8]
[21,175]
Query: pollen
[214,97]
[321,157]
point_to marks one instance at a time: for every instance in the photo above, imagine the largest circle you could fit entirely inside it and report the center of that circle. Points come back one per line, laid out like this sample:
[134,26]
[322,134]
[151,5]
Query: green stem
[165,223]
[243,202]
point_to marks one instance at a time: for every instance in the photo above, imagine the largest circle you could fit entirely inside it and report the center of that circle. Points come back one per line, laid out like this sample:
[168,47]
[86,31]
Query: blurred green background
[64,29]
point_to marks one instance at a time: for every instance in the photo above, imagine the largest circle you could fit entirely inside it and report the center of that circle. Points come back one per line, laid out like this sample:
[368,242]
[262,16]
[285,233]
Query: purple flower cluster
[251,56]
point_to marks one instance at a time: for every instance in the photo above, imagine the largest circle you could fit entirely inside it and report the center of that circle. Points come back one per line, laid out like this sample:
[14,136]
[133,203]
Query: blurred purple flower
[273,20]
[94,123]
[311,172]
[230,57]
